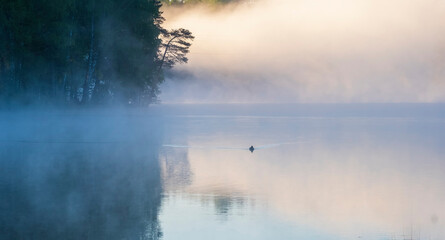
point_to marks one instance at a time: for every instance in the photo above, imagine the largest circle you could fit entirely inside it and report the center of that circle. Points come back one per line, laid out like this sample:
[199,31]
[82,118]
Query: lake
[318,171]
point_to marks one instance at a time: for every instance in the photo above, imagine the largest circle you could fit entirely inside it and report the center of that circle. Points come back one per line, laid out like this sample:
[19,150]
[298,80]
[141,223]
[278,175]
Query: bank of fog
[79,174]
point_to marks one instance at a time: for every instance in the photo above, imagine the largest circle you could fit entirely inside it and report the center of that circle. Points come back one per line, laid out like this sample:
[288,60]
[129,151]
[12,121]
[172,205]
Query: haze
[306,119]
[311,51]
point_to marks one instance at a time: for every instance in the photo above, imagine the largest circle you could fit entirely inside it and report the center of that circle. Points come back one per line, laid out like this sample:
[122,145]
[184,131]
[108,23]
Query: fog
[79,174]
[349,175]
[331,171]
[369,166]
[311,51]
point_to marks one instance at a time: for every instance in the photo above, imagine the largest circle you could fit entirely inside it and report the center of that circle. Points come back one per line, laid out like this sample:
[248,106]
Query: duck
[251,149]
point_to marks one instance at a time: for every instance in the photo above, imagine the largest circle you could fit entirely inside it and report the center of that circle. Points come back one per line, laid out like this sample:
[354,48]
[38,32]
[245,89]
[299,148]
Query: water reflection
[60,188]
[107,176]
[367,178]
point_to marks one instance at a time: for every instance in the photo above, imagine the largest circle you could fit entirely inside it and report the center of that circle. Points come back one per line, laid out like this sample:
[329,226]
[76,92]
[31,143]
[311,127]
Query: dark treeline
[85,51]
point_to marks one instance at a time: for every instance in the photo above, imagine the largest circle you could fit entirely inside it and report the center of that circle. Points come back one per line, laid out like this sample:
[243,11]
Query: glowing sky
[312,51]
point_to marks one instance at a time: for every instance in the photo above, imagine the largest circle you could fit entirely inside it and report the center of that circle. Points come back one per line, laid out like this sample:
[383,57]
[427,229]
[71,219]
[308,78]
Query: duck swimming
[251,149]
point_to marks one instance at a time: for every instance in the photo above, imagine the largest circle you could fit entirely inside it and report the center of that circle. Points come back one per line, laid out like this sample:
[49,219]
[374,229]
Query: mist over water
[80,174]
[304,51]
[364,171]
[325,171]
[292,120]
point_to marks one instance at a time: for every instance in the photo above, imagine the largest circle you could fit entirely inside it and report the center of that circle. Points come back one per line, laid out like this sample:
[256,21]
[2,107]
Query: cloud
[312,51]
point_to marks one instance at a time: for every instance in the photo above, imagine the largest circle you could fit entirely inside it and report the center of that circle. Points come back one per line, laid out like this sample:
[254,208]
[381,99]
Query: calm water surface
[185,172]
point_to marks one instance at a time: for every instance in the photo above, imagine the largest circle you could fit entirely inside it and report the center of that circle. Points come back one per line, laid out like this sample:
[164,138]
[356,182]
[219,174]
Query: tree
[85,51]
[176,45]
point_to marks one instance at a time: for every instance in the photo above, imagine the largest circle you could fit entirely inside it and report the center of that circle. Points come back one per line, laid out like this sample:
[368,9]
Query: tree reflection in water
[79,191]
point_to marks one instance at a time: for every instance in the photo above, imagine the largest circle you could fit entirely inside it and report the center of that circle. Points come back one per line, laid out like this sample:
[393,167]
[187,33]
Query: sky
[324,51]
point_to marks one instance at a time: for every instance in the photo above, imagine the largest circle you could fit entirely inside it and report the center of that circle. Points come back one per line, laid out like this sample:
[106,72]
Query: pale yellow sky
[312,51]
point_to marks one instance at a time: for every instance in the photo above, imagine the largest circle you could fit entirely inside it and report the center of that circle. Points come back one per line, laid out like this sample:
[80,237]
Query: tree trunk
[165,54]
[91,66]
[53,81]
[12,76]
[3,79]
[67,74]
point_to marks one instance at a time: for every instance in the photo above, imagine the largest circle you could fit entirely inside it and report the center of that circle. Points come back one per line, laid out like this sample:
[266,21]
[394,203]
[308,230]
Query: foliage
[80,51]
[175,47]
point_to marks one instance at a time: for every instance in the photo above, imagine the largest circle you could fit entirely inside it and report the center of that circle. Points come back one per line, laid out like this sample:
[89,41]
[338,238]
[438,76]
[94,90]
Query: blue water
[362,171]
